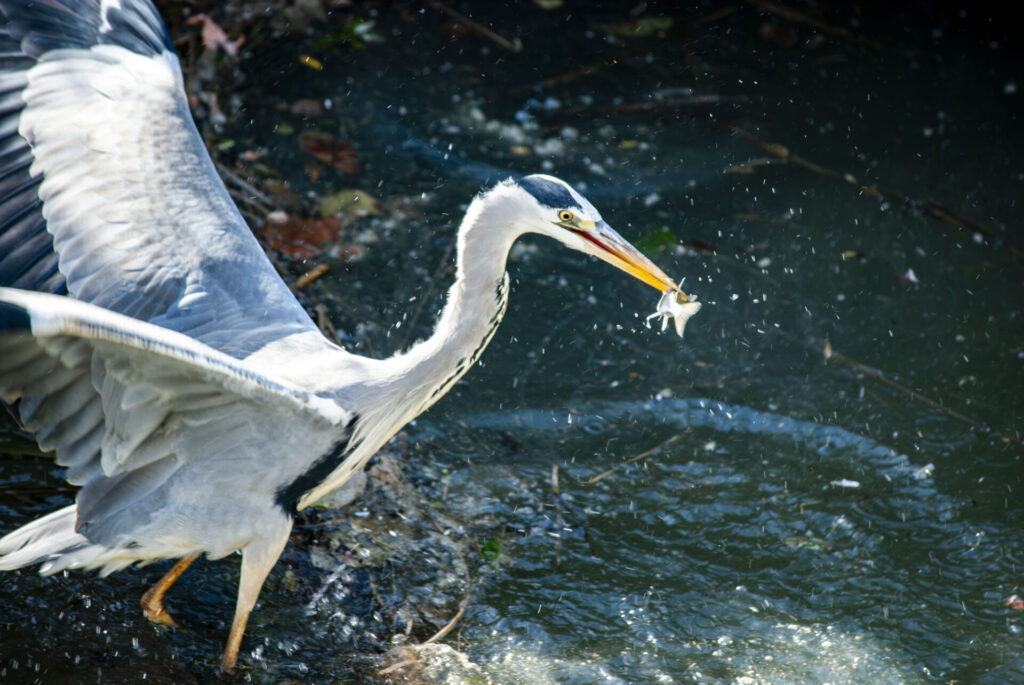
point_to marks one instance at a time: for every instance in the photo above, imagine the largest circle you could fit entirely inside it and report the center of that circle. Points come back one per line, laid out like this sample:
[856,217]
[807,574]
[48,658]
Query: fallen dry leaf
[300,238]
[307,107]
[214,37]
[330,150]
[282,193]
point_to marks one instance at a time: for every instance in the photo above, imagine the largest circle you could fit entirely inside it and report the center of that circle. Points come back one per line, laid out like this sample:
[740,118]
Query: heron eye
[565,216]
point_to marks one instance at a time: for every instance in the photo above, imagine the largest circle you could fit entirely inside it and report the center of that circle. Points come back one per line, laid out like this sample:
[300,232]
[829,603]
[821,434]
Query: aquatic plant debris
[677,306]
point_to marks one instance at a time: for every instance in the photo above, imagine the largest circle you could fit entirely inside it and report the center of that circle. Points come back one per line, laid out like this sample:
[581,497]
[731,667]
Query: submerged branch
[780,10]
[514,45]
[914,395]
[932,209]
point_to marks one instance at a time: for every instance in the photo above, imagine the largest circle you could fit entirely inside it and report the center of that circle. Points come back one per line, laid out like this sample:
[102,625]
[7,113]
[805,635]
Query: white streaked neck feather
[475,306]
[398,389]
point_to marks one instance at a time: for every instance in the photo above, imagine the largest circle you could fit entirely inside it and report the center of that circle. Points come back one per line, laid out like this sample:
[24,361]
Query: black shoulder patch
[287,496]
[549,193]
[14,318]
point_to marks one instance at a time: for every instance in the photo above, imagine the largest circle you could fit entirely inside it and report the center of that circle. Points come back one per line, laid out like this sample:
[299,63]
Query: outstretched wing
[126,405]
[106,188]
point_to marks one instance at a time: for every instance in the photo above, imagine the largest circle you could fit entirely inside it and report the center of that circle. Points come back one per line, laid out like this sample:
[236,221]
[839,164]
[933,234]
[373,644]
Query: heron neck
[475,306]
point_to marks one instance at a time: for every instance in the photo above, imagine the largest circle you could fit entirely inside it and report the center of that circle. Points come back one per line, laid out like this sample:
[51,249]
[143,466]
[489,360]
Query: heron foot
[153,599]
[153,608]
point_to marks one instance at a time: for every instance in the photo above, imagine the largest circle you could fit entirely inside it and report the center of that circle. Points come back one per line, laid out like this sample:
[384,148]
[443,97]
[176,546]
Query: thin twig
[642,455]
[716,15]
[439,635]
[684,40]
[311,275]
[514,45]
[442,267]
[876,375]
[930,208]
[793,15]
[323,322]
[394,667]
[587,70]
[651,105]
[255,194]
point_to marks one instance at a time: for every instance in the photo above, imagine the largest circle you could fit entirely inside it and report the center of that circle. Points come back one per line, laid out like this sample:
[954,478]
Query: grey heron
[146,339]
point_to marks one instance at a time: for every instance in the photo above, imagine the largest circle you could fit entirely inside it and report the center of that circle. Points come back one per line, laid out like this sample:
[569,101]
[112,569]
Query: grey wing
[135,411]
[106,189]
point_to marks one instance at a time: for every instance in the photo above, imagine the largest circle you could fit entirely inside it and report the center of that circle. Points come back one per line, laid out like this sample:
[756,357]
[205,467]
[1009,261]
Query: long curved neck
[475,307]
[386,394]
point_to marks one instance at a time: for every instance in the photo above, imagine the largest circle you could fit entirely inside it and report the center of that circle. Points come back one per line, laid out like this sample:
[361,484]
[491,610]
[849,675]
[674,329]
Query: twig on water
[323,322]
[914,395]
[463,605]
[587,70]
[436,637]
[438,277]
[702,100]
[514,45]
[793,15]
[684,41]
[396,666]
[642,455]
[311,275]
[255,195]
[930,208]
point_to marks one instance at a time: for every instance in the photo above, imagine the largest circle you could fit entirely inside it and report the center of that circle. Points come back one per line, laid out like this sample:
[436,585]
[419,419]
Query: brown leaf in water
[330,150]
[300,238]
[282,194]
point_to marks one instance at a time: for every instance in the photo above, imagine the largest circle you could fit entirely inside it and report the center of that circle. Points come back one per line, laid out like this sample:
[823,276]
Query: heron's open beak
[604,243]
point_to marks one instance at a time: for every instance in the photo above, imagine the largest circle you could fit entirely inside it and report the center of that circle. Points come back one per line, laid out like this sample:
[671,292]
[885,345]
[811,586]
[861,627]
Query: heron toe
[153,600]
[153,608]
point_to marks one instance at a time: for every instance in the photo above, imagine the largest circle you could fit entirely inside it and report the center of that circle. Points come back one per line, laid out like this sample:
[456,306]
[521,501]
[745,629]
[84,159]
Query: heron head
[563,214]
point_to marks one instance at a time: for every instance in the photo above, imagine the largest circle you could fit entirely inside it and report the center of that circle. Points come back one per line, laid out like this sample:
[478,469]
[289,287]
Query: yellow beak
[604,243]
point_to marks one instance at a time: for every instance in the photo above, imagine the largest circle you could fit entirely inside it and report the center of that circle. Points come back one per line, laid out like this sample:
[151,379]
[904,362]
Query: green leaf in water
[356,34]
[656,243]
[351,203]
[490,549]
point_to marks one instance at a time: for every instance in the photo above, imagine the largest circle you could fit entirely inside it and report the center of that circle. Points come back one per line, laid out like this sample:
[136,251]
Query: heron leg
[153,600]
[257,560]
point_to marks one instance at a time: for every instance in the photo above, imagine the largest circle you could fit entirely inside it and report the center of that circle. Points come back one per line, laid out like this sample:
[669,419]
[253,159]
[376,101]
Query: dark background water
[734,553]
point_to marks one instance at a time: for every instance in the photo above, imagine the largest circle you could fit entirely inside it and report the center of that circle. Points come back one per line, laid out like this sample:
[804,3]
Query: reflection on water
[735,553]
[815,521]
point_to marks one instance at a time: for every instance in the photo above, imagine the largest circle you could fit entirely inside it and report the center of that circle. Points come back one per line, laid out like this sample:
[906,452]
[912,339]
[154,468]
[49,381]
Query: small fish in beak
[677,307]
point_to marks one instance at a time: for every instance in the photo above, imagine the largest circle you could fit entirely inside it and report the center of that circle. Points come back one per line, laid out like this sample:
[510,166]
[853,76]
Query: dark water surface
[853,519]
